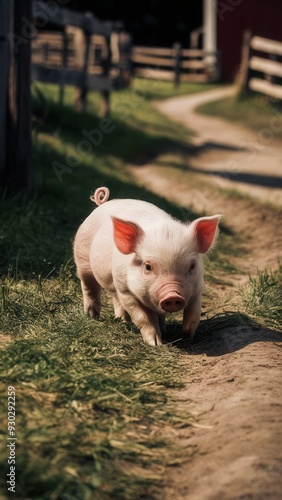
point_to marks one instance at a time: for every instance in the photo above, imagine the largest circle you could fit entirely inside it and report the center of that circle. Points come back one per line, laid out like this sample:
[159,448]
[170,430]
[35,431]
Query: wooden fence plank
[266,87]
[266,66]
[197,53]
[266,45]
[156,61]
[193,65]
[155,51]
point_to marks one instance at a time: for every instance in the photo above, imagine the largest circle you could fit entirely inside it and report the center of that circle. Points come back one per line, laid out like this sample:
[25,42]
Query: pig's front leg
[146,320]
[119,310]
[162,323]
[192,315]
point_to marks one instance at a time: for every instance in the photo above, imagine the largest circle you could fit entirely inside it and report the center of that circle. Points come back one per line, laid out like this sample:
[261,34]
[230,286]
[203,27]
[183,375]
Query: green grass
[92,400]
[262,298]
[254,111]
[88,395]
[152,89]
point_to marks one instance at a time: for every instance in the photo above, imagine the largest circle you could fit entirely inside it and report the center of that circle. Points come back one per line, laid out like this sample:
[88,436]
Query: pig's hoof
[124,317]
[190,332]
[153,341]
[93,313]
[190,326]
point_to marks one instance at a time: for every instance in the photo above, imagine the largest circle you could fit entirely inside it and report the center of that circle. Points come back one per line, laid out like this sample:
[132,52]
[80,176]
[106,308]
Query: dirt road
[234,375]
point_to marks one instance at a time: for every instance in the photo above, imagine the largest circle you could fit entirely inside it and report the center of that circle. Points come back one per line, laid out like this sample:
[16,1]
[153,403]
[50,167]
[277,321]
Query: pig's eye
[192,266]
[148,268]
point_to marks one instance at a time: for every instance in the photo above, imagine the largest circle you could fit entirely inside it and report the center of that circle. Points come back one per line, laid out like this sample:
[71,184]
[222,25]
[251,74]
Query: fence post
[124,64]
[243,76]
[64,67]
[177,62]
[81,42]
[271,78]
[106,63]
[217,72]
[19,168]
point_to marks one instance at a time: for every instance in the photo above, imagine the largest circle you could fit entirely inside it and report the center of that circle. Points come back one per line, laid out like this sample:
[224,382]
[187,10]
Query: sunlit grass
[262,298]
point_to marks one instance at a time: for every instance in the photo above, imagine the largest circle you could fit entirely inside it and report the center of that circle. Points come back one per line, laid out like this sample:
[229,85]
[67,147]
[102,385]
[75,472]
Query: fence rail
[261,67]
[192,65]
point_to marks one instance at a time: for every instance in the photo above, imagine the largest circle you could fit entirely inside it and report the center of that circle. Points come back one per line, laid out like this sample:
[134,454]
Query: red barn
[224,22]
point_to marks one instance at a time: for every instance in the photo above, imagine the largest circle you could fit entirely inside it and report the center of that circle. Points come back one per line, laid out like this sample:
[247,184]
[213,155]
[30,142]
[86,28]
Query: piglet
[151,263]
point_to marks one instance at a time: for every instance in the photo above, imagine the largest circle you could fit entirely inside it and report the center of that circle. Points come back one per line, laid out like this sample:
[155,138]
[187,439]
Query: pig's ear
[126,235]
[205,231]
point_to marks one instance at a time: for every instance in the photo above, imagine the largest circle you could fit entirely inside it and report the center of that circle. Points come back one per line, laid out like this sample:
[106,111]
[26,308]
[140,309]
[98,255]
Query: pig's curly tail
[100,196]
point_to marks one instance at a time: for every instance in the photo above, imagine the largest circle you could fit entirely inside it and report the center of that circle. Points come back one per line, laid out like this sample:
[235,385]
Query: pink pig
[150,263]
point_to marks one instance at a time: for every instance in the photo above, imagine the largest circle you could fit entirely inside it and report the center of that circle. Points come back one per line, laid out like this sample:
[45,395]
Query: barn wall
[261,17]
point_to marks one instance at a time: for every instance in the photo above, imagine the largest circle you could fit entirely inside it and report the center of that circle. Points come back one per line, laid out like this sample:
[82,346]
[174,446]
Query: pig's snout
[172,303]
[171,299]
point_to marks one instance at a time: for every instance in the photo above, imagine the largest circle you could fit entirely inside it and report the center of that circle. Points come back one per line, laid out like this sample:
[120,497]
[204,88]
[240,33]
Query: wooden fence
[176,64]
[261,69]
[72,57]
[87,53]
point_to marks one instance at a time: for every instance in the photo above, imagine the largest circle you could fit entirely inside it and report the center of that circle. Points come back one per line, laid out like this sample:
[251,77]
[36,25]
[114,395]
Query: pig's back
[99,222]
[140,212]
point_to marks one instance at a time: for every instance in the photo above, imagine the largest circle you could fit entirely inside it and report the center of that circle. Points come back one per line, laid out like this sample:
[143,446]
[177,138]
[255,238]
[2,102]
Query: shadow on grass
[124,138]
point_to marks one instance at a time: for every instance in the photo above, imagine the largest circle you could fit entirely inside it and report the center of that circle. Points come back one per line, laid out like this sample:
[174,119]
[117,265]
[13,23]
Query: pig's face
[166,270]
[163,284]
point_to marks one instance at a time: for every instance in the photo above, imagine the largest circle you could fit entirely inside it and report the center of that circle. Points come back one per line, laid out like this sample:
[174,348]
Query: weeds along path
[233,381]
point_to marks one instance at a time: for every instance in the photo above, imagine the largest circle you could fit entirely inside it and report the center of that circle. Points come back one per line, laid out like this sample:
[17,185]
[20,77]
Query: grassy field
[92,401]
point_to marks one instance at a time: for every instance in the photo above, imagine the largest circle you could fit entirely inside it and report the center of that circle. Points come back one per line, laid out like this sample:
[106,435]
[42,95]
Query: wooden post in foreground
[19,169]
[4,58]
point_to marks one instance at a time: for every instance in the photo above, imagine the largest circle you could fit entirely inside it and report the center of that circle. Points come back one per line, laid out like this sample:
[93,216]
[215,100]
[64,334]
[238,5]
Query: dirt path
[234,386]
[248,161]
[234,376]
